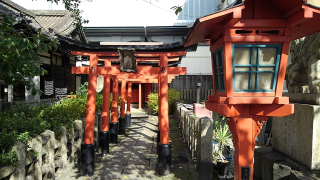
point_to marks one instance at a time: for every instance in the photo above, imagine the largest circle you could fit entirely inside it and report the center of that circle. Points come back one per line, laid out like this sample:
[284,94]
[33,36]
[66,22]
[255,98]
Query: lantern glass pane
[255,67]
[265,81]
[267,55]
[262,68]
[253,81]
[242,55]
[242,81]
[242,68]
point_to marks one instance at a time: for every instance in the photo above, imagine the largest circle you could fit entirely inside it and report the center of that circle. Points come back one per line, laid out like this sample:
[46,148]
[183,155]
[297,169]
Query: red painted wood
[106,104]
[159,104]
[250,100]
[129,95]
[277,110]
[243,155]
[91,101]
[281,100]
[140,96]
[147,91]
[88,53]
[114,113]
[261,23]
[123,98]
[135,96]
[227,57]
[164,121]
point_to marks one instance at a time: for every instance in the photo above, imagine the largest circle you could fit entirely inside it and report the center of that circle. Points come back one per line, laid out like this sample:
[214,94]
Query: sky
[118,12]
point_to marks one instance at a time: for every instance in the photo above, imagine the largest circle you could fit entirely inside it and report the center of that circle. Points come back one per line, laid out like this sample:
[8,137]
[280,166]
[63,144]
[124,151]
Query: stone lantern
[249,44]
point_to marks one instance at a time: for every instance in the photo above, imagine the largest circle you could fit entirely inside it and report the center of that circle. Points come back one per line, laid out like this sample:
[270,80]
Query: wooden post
[140,96]
[164,148]
[128,114]
[91,101]
[129,98]
[244,144]
[164,121]
[106,100]
[114,123]
[104,134]
[87,149]
[159,112]
[123,97]
[106,104]
[115,99]
[122,125]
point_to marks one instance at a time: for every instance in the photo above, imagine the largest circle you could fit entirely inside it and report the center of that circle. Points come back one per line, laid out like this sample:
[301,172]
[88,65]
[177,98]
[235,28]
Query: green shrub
[22,122]
[172,96]
[152,103]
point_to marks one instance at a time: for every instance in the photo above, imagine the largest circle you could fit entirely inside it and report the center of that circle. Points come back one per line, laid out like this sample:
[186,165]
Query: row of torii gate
[128,72]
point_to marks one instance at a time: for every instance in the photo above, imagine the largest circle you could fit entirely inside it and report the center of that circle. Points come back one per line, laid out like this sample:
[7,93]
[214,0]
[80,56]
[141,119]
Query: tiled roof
[16,8]
[60,21]
[52,22]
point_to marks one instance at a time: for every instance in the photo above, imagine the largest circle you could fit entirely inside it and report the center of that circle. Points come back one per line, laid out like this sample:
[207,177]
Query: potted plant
[221,134]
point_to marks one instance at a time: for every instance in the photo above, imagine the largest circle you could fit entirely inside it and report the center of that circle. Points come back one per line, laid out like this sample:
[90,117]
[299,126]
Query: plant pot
[223,167]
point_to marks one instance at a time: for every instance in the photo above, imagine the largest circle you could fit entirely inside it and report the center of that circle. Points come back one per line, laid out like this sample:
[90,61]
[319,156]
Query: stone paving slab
[135,157]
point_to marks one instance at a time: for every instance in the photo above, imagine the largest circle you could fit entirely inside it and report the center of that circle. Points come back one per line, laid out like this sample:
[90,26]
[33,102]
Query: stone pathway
[133,158]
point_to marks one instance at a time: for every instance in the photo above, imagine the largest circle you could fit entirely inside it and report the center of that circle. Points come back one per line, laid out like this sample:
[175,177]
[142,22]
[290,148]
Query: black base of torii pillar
[122,126]
[104,141]
[127,120]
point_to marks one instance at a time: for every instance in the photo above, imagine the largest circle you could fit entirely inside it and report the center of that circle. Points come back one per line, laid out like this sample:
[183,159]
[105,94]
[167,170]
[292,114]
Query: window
[255,67]
[218,67]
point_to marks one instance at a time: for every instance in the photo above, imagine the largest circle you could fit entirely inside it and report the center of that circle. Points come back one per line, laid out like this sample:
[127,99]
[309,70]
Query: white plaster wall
[199,62]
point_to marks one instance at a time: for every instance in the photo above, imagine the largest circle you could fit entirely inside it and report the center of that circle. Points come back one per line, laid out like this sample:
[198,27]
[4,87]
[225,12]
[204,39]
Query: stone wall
[198,134]
[298,135]
[56,154]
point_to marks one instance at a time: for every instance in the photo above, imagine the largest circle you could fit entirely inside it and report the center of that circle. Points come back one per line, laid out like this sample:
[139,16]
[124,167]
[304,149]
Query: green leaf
[46,48]
[37,40]
[23,44]
[178,10]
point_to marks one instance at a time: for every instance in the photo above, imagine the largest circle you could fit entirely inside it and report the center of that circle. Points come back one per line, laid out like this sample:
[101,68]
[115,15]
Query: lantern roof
[301,17]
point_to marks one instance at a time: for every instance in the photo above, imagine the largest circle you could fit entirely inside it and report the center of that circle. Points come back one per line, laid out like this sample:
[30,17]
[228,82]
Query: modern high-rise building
[194,9]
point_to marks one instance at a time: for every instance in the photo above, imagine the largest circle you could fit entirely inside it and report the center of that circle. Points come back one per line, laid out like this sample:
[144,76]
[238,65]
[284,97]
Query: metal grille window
[218,67]
[255,67]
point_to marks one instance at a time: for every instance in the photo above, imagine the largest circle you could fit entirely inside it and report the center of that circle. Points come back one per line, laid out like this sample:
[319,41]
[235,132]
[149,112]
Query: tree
[19,45]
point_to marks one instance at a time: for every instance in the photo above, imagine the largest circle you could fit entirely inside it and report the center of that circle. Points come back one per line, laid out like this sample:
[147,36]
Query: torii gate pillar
[122,126]
[104,134]
[114,122]
[164,155]
[87,148]
[128,113]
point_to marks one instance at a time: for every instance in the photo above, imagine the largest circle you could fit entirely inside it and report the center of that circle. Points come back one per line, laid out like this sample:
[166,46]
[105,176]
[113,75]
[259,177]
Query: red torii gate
[159,73]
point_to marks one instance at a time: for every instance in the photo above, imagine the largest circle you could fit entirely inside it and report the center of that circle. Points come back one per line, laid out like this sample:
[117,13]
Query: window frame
[217,74]
[257,65]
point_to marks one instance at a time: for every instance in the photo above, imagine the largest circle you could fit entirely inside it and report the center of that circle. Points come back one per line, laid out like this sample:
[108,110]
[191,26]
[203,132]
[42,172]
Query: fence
[49,154]
[198,134]
[50,101]
[191,94]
